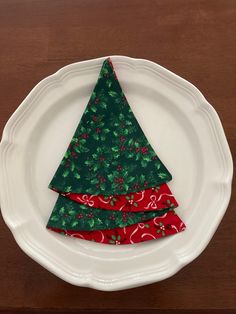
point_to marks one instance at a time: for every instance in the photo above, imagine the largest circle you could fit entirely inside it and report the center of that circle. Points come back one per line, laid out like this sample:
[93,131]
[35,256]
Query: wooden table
[195,39]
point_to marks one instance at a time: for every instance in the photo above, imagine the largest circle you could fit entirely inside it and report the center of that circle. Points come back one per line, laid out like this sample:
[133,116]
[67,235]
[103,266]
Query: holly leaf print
[91,222]
[110,177]
[104,71]
[113,93]
[128,122]
[93,96]
[143,163]
[130,179]
[65,173]
[146,158]
[126,187]
[115,148]
[67,154]
[117,100]
[71,212]
[95,181]
[162,175]
[103,105]
[88,162]
[82,141]
[67,189]
[130,142]
[72,167]
[77,176]
[108,83]
[62,211]
[106,131]
[106,164]
[99,150]
[95,168]
[96,136]
[84,149]
[121,116]
[77,149]
[142,178]
[94,109]
[74,223]
[54,218]
[103,186]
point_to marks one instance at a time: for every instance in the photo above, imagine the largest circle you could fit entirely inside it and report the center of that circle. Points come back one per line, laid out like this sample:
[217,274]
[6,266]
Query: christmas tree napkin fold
[111,183]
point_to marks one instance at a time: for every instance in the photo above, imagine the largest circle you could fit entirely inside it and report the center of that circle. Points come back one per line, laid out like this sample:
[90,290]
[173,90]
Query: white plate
[183,128]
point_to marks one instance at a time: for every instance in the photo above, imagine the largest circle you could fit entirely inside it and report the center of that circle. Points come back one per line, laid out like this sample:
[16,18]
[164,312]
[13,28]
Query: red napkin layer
[156,198]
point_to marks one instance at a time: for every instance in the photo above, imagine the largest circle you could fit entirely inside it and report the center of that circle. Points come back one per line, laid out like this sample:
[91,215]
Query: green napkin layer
[109,153]
[69,215]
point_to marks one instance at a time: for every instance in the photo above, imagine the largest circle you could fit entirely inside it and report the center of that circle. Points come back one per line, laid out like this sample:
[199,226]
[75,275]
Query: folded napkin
[111,183]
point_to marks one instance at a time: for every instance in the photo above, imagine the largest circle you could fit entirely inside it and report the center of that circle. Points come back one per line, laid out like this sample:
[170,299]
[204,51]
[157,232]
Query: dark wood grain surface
[195,39]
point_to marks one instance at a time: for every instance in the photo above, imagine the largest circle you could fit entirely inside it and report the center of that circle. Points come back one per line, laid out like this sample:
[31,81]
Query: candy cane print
[108,200]
[141,225]
[147,234]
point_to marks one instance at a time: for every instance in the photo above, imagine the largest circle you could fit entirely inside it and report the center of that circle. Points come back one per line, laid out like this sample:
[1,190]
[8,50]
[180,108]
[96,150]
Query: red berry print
[119,180]
[80,216]
[90,215]
[102,180]
[136,186]
[119,168]
[84,135]
[144,150]
[112,217]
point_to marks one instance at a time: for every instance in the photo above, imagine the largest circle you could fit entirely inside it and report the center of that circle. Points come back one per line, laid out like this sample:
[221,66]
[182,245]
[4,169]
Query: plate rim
[8,141]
